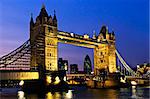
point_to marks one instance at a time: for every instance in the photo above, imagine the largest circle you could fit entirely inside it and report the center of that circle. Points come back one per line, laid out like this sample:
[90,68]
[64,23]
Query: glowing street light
[134,83]
[21,83]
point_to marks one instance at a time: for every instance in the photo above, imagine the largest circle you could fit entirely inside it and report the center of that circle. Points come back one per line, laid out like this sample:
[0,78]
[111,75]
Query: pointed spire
[43,16]
[43,12]
[54,12]
[94,34]
[50,20]
[55,15]
[104,31]
[31,17]
[43,6]
[31,20]
[55,19]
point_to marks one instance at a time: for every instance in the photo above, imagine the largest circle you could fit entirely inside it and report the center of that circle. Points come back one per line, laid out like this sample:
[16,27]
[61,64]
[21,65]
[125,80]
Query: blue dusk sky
[129,19]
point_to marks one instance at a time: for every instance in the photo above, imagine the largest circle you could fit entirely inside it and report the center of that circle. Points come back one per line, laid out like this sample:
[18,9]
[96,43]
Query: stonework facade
[43,39]
[104,53]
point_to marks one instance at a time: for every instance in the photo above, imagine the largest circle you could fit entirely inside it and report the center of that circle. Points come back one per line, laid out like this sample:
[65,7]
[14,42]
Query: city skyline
[80,19]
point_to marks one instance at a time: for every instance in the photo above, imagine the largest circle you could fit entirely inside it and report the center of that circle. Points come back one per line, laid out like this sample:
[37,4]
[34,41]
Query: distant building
[143,70]
[62,64]
[73,68]
[87,65]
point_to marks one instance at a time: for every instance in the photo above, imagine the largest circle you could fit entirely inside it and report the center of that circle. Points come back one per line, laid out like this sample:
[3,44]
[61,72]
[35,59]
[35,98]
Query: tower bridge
[42,50]
[45,34]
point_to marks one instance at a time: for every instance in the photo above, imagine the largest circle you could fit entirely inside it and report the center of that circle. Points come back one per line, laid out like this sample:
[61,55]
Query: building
[87,65]
[143,70]
[73,68]
[44,41]
[104,54]
[62,64]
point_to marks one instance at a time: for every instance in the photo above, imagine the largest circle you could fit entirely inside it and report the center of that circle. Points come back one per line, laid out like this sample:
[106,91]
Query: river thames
[80,93]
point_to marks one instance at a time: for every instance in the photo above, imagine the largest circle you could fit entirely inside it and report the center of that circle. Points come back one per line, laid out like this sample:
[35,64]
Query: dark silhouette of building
[62,64]
[73,68]
[87,65]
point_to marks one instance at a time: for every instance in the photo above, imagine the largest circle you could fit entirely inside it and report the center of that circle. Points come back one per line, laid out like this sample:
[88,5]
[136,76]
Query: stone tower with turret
[44,41]
[104,53]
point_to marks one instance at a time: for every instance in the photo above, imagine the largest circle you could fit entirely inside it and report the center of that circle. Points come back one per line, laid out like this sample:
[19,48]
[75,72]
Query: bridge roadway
[77,40]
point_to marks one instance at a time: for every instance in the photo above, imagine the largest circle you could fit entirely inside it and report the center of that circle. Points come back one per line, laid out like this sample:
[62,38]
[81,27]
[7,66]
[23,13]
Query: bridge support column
[100,58]
[44,41]
[104,58]
[112,58]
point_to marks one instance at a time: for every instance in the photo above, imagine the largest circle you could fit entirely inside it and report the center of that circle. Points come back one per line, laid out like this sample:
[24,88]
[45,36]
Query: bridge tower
[44,41]
[104,53]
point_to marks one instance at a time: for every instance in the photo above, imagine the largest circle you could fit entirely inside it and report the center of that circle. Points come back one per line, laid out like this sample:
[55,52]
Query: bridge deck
[77,40]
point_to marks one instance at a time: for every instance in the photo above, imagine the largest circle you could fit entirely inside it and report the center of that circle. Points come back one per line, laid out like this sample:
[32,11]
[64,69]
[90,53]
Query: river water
[80,93]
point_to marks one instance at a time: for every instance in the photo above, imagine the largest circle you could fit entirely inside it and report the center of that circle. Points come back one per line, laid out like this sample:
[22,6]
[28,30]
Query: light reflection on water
[21,95]
[133,92]
[58,95]
[82,93]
